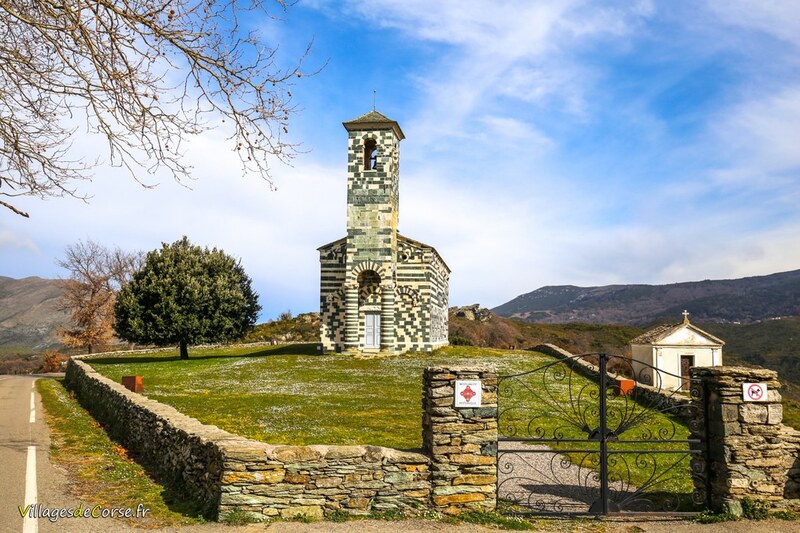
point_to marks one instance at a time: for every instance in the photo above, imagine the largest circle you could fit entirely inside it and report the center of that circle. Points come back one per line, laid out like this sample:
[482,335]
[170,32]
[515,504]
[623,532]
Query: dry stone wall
[750,453]
[747,452]
[312,481]
[461,441]
[222,472]
[184,453]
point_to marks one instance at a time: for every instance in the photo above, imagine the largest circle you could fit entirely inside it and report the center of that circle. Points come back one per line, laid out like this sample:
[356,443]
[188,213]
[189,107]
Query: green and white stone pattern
[374,269]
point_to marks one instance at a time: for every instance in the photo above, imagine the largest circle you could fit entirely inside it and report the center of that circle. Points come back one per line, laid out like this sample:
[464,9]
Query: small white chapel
[663,356]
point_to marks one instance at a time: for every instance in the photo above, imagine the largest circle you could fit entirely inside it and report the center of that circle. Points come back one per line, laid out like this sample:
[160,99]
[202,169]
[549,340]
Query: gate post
[744,448]
[462,441]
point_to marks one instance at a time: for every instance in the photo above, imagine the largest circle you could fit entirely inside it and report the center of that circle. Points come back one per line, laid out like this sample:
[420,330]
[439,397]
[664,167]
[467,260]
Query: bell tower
[373,161]
[373,156]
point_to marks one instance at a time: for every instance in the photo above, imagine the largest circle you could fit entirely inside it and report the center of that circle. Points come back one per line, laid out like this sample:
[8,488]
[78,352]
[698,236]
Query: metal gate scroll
[600,434]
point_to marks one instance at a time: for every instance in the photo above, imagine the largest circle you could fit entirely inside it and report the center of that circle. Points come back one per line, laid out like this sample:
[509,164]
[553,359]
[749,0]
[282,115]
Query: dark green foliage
[457,340]
[784,514]
[186,295]
[755,509]
[710,517]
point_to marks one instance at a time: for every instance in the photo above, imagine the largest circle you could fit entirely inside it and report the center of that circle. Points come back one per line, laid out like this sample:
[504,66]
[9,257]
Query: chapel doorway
[372,330]
[687,362]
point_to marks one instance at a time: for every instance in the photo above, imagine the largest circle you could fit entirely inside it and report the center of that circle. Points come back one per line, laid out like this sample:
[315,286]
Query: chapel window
[370,154]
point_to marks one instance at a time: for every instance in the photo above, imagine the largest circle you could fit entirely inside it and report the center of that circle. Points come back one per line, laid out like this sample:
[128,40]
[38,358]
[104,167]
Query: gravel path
[545,481]
[535,477]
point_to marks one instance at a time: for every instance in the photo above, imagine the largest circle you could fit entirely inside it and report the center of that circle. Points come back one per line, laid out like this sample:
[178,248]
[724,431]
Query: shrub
[20,364]
[238,517]
[785,514]
[457,340]
[52,361]
[755,509]
[710,517]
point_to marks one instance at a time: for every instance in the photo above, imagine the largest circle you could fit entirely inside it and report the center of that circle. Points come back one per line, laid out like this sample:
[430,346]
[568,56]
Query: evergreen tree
[185,295]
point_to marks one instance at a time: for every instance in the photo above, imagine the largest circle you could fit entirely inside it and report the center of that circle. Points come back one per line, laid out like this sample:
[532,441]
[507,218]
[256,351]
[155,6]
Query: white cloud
[760,139]
[516,49]
[483,177]
[507,129]
[779,18]
[9,239]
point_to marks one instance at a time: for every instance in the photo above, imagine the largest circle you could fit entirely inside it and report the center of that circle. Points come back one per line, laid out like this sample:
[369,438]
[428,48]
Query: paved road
[23,447]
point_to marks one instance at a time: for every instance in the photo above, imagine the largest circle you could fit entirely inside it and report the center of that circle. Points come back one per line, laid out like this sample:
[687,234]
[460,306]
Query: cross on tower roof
[685,316]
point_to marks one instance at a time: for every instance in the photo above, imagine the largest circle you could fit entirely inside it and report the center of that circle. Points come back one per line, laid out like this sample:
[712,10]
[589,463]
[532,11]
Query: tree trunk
[184,350]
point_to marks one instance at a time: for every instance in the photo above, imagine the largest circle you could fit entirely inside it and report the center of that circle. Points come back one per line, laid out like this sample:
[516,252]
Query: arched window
[370,154]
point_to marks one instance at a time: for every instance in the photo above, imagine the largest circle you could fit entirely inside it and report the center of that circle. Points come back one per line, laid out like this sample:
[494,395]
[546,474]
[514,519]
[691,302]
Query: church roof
[423,245]
[374,120]
[332,244]
[339,242]
[664,331]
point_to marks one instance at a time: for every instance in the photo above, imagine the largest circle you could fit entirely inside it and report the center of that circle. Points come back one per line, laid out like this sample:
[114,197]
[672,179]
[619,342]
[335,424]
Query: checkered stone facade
[374,270]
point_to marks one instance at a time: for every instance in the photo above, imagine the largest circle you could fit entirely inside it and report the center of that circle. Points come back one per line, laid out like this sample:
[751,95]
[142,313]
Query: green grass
[289,395]
[101,472]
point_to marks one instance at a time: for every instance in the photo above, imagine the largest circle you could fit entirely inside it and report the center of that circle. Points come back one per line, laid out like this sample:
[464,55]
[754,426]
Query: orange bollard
[133,383]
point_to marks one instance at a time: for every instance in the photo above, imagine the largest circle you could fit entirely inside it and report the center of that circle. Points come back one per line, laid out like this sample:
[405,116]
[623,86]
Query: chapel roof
[662,332]
[374,120]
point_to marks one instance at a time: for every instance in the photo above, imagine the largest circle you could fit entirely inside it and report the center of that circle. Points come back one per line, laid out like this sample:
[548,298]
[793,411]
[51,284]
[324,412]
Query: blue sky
[552,142]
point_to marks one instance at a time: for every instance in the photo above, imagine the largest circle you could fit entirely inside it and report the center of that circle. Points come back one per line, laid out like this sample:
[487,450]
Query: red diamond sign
[468,393]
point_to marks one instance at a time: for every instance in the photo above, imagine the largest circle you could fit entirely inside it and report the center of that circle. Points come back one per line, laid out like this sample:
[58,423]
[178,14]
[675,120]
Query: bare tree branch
[96,274]
[147,75]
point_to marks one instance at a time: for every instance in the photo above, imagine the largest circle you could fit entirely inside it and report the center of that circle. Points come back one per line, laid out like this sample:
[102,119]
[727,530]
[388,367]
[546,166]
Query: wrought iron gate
[598,434]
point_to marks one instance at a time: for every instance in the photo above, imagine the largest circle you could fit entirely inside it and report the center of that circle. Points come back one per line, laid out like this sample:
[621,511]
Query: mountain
[476,326]
[29,314]
[744,300]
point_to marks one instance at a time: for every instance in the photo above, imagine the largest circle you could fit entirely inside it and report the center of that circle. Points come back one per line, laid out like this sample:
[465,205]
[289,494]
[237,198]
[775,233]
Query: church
[380,292]
[663,356]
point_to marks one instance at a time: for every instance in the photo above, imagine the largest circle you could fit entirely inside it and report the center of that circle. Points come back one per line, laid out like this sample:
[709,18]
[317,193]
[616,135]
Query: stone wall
[222,472]
[461,441]
[184,453]
[750,454]
[269,481]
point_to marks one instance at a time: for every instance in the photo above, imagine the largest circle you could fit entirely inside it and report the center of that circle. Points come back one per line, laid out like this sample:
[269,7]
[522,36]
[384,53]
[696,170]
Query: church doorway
[372,330]
[687,362]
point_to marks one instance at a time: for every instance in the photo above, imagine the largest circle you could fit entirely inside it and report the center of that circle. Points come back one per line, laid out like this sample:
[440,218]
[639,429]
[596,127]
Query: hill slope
[29,314]
[742,300]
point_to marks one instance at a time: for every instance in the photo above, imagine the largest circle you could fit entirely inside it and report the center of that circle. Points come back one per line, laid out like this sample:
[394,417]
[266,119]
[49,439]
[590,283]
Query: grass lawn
[290,395]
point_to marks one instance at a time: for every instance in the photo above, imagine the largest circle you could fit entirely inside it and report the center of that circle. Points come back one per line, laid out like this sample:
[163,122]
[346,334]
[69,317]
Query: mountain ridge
[30,313]
[741,300]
